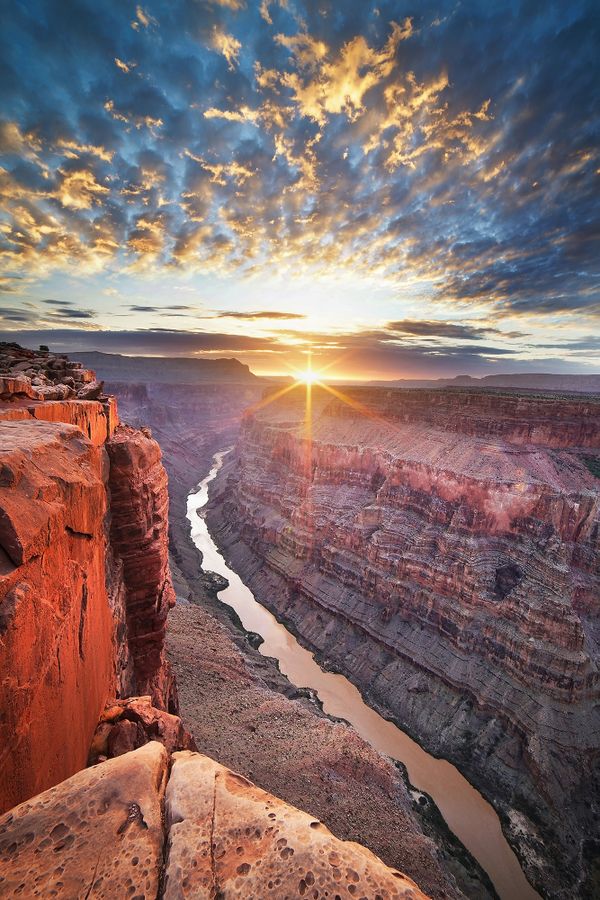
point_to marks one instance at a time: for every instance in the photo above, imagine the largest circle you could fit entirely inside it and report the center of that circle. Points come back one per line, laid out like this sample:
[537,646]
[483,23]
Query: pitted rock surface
[101,834]
[230,839]
[98,835]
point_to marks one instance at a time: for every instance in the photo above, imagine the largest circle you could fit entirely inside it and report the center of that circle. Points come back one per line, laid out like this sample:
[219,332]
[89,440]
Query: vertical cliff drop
[84,580]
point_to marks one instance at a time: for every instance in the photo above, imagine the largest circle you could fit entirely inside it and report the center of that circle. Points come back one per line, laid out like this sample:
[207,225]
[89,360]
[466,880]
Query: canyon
[85,595]
[240,708]
[440,548]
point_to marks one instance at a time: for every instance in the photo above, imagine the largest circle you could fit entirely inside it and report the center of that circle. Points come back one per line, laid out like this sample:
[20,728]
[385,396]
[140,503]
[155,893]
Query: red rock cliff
[139,507]
[84,580]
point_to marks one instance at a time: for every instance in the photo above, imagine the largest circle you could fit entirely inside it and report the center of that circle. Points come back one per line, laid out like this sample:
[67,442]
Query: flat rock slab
[230,839]
[98,834]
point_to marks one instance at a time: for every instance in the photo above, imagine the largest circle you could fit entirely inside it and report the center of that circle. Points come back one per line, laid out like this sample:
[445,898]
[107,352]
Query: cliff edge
[84,581]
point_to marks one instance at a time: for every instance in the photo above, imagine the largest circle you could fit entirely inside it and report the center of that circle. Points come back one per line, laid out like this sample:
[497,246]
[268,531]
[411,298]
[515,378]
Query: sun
[309,376]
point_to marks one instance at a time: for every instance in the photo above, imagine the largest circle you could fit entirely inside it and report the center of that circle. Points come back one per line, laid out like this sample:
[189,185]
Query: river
[472,819]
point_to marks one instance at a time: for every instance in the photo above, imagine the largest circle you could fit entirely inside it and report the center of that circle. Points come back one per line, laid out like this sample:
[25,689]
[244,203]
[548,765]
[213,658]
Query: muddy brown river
[472,819]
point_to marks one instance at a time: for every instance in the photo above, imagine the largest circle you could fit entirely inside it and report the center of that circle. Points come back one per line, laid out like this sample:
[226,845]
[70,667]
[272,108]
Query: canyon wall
[84,579]
[441,548]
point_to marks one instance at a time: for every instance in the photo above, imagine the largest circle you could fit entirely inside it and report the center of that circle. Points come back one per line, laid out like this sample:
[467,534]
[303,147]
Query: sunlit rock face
[442,549]
[101,833]
[229,838]
[84,580]
[139,506]
[131,723]
[97,834]
[59,619]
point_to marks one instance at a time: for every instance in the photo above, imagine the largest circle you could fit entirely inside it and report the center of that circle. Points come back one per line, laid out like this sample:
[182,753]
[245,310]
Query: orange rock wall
[84,582]
[139,533]
[57,629]
[97,420]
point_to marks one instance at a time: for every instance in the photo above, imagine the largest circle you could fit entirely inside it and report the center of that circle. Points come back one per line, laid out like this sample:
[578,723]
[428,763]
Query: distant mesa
[536,381]
[115,367]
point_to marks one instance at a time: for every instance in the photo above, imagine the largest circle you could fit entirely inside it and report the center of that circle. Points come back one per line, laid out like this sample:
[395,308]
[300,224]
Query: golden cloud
[73,150]
[80,189]
[221,172]
[142,17]
[227,45]
[139,121]
[123,66]
[325,85]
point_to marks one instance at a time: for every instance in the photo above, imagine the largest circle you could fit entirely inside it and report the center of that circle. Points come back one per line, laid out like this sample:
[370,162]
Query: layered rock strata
[100,834]
[73,591]
[442,549]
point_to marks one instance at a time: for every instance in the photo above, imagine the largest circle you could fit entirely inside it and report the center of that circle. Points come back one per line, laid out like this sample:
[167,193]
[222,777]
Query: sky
[406,189]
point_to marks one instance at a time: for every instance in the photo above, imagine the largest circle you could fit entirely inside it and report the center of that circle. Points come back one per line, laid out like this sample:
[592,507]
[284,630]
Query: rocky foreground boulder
[132,827]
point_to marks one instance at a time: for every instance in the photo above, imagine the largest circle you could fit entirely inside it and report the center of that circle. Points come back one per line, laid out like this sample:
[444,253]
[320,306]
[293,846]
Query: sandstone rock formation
[73,591]
[228,838]
[133,722]
[442,549]
[139,505]
[59,633]
[100,834]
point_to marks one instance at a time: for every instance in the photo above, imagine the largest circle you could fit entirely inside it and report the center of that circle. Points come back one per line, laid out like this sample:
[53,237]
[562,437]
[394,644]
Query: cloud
[72,313]
[452,157]
[230,4]
[425,328]
[123,66]
[162,309]
[80,189]
[226,44]
[152,341]
[263,314]
[324,83]
[143,18]
[221,173]
[10,284]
